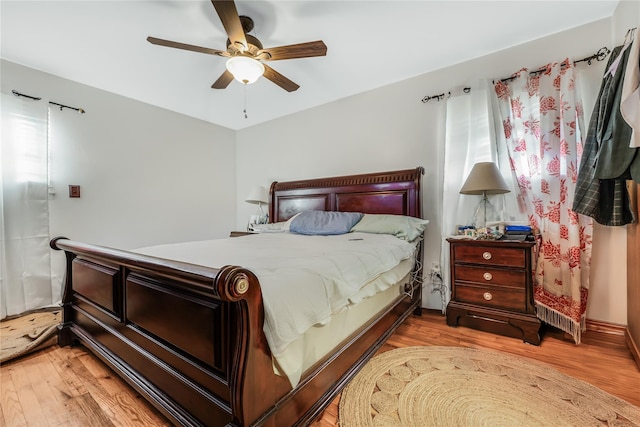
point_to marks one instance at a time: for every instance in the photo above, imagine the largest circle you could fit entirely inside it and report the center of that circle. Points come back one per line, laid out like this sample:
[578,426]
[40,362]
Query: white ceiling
[370,44]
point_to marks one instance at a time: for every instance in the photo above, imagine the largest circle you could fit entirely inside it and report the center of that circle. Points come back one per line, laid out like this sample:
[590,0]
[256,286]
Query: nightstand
[241,233]
[492,288]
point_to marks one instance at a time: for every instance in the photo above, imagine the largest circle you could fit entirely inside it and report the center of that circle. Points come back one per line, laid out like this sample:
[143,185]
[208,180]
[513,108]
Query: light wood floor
[69,387]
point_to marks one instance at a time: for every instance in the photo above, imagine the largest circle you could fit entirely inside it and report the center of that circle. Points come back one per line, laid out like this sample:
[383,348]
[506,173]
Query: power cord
[437,283]
[416,273]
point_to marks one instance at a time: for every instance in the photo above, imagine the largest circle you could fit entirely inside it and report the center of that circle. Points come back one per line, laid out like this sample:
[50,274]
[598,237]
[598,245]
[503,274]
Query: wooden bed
[190,339]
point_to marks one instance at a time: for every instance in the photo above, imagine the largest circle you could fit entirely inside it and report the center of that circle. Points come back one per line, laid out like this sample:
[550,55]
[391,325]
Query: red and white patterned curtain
[542,120]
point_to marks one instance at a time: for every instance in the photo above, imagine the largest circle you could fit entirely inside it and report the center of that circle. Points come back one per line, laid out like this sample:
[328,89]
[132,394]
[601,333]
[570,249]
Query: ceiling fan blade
[292,51]
[177,45]
[228,14]
[223,81]
[279,79]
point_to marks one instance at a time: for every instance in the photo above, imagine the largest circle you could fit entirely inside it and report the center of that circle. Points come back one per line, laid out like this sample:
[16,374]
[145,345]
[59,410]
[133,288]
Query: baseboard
[592,325]
[632,346]
[616,329]
[606,327]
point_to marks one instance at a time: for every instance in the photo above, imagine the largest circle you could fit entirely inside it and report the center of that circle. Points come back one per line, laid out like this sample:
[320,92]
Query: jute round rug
[451,386]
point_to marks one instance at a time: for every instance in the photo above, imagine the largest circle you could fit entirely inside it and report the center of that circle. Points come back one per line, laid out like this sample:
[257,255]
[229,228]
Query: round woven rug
[452,386]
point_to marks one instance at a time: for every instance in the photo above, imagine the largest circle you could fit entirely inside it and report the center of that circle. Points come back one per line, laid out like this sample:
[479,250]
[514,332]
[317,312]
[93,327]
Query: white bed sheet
[325,273]
[320,340]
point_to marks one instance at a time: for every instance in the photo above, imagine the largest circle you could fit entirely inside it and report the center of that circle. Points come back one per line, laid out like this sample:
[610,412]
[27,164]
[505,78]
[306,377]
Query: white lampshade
[258,196]
[244,69]
[485,178]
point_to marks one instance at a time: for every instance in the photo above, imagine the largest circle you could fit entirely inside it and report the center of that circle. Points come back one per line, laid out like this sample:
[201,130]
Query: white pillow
[274,227]
[403,227]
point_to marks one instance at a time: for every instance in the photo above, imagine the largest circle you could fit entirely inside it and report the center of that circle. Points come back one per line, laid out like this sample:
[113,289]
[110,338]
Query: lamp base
[261,217]
[484,213]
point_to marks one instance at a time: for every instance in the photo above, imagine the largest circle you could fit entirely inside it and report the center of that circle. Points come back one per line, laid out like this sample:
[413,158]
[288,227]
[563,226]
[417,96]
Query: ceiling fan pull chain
[245,101]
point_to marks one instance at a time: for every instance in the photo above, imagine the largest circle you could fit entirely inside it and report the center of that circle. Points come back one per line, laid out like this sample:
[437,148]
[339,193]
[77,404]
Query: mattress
[326,274]
[320,340]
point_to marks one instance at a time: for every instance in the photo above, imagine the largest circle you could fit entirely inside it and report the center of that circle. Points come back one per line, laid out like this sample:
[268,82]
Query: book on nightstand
[517,229]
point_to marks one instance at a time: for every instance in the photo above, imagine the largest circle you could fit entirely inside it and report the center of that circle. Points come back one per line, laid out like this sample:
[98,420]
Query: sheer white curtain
[25,268]
[470,138]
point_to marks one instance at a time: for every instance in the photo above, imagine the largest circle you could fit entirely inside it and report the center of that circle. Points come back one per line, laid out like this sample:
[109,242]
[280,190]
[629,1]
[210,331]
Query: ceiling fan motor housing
[253,44]
[253,47]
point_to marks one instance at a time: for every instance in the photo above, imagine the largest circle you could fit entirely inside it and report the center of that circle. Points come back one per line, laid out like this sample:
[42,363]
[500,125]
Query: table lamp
[485,178]
[258,196]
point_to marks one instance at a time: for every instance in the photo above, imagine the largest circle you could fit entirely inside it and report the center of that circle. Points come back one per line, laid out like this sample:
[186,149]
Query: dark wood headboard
[395,192]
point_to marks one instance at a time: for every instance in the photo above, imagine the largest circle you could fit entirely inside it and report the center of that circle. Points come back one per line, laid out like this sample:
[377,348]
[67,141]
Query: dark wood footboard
[189,338]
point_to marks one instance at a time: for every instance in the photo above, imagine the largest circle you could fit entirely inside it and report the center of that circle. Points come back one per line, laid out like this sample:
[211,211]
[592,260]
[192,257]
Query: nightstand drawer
[508,257]
[488,275]
[491,296]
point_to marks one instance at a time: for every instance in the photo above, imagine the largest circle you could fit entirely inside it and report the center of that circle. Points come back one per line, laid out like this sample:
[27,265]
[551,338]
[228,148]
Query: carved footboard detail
[254,387]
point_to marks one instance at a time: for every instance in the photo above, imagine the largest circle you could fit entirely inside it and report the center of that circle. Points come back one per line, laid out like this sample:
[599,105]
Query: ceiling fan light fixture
[244,69]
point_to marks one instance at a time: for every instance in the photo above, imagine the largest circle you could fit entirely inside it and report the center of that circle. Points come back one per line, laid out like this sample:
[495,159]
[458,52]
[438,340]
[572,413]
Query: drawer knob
[486,255]
[487,296]
[487,276]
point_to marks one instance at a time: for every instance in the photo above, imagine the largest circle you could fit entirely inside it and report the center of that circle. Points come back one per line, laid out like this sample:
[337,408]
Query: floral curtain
[542,119]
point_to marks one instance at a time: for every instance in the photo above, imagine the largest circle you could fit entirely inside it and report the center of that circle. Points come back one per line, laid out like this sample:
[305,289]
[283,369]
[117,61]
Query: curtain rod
[35,98]
[600,55]
[78,109]
[441,96]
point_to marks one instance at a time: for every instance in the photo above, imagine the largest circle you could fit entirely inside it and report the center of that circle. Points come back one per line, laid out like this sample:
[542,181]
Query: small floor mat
[29,332]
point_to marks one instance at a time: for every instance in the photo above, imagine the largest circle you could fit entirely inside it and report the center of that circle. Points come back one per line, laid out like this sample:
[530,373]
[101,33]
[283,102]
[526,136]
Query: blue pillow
[324,223]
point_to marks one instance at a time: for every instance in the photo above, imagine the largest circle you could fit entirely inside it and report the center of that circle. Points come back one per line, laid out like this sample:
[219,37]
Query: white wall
[608,292]
[390,128]
[147,175]
[625,17]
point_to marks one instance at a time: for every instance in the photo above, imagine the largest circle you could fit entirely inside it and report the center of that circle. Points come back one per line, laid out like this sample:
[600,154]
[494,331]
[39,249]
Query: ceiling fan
[245,52]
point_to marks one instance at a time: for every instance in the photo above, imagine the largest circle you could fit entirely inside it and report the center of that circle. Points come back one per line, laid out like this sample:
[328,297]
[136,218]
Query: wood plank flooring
[70,387]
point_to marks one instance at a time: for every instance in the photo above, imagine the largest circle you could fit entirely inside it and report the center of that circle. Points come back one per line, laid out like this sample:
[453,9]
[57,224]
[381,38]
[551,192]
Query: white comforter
[304,279]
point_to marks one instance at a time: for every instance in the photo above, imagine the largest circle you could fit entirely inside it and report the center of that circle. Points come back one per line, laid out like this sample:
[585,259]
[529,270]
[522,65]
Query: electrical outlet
[435,268]
[74,191]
